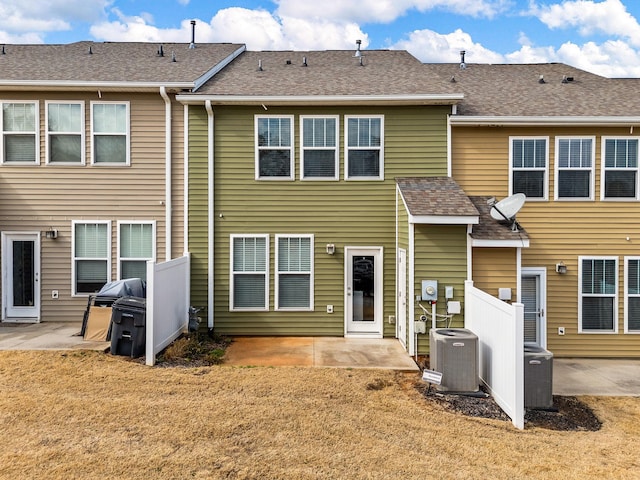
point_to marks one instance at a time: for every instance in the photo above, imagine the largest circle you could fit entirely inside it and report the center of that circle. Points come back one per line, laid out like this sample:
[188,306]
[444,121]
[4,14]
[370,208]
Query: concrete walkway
[381,353]
[46,336]
[596,376]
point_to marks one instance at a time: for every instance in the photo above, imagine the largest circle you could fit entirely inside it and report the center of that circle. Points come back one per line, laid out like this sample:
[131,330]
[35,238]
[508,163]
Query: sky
[600,36]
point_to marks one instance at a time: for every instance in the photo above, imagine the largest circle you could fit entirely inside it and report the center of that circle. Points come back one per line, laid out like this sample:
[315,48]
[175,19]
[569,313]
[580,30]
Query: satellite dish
[506,209]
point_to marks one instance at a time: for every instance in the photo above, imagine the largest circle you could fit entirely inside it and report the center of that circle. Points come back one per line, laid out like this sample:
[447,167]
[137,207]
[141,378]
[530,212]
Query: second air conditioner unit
[454,353]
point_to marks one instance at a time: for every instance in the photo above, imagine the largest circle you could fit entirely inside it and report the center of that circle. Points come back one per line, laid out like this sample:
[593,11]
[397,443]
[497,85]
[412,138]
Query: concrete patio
[46,336]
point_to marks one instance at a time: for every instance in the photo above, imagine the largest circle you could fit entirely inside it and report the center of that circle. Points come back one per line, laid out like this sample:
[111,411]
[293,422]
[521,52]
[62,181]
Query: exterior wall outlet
[560,330]
[329,308]
[392,319]
[54,294]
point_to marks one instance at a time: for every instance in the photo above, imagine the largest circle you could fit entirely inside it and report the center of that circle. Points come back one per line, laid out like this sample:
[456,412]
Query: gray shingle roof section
[435,196]
[111,62]
[491,229]
[336,72]
[516,90]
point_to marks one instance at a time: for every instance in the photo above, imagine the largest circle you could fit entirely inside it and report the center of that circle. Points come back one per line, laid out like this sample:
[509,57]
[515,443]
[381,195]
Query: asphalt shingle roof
[111,62]
[516,90]
[435,196]
[334,72]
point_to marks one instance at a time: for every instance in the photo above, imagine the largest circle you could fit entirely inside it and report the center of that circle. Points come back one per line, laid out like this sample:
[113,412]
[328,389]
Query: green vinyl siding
[440,254]
[351,213]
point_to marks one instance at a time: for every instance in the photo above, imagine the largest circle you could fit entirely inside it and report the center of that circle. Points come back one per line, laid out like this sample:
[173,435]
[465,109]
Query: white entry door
[401,321]
[363,291]
[21,277]
[533,285]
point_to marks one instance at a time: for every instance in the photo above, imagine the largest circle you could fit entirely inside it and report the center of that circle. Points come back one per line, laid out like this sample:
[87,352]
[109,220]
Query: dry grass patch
[90,415]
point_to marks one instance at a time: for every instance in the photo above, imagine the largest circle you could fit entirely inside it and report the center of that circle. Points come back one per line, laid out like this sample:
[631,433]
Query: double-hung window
[274,147]
[249,286]
[598,298]
[91,256]
[65,132]
[294,272]
[136,246]
[529,166]
[110,133]
[575,160]
[19,132]
[620,168]
[319,152]
[364,147]
[632,299]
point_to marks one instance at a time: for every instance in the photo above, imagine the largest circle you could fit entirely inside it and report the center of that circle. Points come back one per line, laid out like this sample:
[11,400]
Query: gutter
[167,172]
[274,100]
[523,121]
[79,85]
[211,216]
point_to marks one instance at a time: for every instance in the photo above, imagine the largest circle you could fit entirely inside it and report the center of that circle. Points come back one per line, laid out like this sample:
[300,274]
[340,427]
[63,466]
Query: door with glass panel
[532,297]
[21,277]
[363,291]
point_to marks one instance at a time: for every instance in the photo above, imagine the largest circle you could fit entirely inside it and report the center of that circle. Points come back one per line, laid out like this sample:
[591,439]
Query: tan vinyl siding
[495,268]
[345,213]
[38,197]
[440,254]
[558,231]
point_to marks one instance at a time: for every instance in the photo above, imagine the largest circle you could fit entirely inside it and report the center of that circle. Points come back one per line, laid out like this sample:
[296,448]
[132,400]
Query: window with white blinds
[529,166]
[249,272]
[319,152]
[65,132]
[274,147]
[91,256]
[620,168]
[364,149]
[136,246]
[19,132]
[110,132]
[598,309]
[632,291]
[575,160]
[294,272]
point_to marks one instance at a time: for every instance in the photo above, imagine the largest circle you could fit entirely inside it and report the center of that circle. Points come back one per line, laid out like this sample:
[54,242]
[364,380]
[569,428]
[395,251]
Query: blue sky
[601,36]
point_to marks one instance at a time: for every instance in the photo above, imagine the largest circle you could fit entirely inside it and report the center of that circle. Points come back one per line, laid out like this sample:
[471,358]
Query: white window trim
[580,295]
[347,148]
[127,133]
[291,148]
[83,149]
[36,133]
[311,273]
[336,175]
[74,258]
[232,307]
[626,297]
[591,170]
[603,169]
[545,182]
[153,242]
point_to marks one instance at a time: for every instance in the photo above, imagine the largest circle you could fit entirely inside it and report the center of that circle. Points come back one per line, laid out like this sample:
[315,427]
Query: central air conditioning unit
[454,353]
[538,377]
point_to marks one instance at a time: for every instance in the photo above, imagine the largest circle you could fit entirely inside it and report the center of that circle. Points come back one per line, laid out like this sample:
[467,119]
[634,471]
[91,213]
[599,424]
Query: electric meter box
[430,290]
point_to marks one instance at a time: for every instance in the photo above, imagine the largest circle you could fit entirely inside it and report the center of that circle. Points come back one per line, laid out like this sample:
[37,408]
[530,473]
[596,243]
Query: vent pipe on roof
[462,64]
[173,57]
[358,53]
[161,51]
[193,34]
[3,52]
[90,50]
[541,79]
[304,61]
[259,65]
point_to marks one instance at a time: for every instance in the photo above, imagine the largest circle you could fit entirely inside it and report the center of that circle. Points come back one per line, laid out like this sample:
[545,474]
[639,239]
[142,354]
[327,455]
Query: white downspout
[211,216]
[167,166]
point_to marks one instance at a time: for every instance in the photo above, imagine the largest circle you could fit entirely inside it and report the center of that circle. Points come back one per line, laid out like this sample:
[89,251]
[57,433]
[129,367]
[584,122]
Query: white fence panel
[167,304]
[500,330]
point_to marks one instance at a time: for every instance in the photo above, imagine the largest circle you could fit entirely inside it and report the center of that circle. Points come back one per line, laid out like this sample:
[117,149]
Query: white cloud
[53,15]
[385,11]
[609,17]
[32,38]
[433,47]
[258,29]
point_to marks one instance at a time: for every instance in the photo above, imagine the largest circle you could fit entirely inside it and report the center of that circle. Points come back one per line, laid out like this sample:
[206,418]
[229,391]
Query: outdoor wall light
[331,249]
[51,234]
[561,268]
